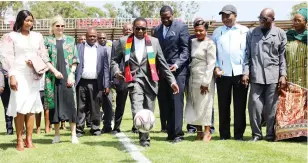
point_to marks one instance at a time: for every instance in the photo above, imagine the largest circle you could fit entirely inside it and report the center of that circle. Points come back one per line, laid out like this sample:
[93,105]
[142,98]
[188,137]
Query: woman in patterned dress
[291,116]
[60,93]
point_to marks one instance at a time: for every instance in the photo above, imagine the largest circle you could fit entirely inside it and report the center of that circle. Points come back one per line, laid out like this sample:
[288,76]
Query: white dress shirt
[90,62]
[139,48]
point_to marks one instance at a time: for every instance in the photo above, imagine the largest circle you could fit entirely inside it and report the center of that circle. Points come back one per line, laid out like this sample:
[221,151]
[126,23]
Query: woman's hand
[70,80]
[58,75]
[204,90]
[13,83]
[29,63]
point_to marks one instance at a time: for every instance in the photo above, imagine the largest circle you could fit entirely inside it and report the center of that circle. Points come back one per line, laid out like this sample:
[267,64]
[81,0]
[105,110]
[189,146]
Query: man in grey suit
[265,67]
[92,80]
[142,57]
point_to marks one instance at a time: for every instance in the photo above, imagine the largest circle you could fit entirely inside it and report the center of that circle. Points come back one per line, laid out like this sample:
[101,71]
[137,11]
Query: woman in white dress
[17,48]
[201,86]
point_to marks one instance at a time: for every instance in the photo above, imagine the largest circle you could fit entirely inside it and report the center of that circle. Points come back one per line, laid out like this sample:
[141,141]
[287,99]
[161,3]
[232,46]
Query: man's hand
[70,80]
[282,82]
[204,90]
[245,80]
[13,83]
[218,73]
[119,76]
[173,67]
[1,90]
[175,88]
[106,91]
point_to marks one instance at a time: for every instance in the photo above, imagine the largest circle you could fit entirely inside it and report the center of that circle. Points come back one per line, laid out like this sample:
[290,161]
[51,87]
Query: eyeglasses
[263,19]
[58,26]
[101,37]
[141,28]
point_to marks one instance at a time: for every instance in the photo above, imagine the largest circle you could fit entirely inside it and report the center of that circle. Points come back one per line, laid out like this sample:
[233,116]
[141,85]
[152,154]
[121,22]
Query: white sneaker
[75,140]
[56,139]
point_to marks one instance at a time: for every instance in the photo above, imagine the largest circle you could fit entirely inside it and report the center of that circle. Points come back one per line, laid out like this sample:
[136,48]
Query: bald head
[266,18]
[268,12]
[91,36]
[127,29]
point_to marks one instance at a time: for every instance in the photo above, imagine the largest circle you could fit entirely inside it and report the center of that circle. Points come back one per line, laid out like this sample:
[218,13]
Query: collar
[235,26]
[95,45]
[136,39]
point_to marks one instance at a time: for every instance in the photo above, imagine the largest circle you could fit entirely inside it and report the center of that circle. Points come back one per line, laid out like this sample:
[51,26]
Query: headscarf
[293,35]
[303,12]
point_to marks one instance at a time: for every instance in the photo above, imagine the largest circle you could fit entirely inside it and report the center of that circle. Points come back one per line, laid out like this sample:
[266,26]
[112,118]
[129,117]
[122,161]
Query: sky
[247,10]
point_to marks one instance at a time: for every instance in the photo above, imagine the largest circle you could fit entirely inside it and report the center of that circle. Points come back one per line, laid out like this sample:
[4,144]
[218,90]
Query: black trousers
[225,86]
[120,106]
[5,97]
[88,96]
[172,105]
[107,109]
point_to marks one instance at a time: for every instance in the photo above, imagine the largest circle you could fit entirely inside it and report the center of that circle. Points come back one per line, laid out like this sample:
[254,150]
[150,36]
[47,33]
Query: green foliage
[6,5]
[296,7]
[150,9]
[67,9]
[112,11]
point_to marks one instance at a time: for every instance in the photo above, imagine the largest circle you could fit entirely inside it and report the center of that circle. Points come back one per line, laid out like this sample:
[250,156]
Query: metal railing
[81,23]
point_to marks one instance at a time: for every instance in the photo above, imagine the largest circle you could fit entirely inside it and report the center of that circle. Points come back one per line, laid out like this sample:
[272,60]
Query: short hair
[165,9]
[140,19]
[55,20]
[20,18]
[203,23]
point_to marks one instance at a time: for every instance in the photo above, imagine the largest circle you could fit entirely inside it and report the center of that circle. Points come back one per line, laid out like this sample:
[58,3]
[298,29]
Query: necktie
[165,31]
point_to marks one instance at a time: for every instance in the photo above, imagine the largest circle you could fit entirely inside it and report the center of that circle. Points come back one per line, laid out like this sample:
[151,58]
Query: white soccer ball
[144,120]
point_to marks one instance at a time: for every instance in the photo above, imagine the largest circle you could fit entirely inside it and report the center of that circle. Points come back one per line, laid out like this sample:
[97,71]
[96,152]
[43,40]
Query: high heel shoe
[200,135]
[20,146]
[207,137]
[28,145]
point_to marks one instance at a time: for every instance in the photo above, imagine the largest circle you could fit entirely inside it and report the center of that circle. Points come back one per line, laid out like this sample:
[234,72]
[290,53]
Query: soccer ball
[144,120]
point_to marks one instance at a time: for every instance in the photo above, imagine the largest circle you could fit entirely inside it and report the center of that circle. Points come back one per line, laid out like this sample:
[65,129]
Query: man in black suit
[92,81]
[119,86]
[173,37]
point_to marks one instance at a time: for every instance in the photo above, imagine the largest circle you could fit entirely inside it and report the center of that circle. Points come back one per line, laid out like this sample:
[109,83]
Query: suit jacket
[141,72]
[265,58]
[102,66]
[117,84]
[175,45]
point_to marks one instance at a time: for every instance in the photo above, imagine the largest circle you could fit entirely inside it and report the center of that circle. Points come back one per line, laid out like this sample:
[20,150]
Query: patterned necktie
[165,31]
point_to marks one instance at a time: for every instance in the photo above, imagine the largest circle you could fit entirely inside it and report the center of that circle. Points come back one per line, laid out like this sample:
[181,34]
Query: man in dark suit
[92,80]
[173,37]
[120,87]
[5,98]
[142,57]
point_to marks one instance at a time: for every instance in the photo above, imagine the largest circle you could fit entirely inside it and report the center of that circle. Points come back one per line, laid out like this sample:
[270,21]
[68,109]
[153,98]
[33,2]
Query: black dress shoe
[225,138]
[239,139]
[116,131]
[9,132]
[269,138]
[134,130]
[145,143]
[255,138]
[106,130]
[79,135]
[95,132]
[177,140]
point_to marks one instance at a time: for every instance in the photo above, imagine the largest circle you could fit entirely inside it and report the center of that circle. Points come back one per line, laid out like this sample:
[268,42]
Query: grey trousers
[141,97]
[263,99]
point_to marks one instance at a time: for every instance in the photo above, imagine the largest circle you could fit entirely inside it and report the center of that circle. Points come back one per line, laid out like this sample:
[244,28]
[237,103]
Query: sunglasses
[58,26]
[141,28]
[265,19]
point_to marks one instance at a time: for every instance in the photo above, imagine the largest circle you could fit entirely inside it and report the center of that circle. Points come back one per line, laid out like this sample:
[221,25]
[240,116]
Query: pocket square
[172,33]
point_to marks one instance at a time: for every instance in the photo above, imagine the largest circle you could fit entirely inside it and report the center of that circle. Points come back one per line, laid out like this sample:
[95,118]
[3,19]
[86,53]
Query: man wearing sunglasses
[265,69]
[143,59]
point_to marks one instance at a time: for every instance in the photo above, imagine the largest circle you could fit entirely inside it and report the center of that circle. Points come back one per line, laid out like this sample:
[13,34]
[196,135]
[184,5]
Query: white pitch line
[131,148]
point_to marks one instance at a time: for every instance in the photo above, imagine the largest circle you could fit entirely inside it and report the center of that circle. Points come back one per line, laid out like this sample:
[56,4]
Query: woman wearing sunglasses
[60,92]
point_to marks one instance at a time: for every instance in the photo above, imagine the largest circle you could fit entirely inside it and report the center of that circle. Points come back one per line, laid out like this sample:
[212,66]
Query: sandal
[28,145]
[207,137]
[20,147]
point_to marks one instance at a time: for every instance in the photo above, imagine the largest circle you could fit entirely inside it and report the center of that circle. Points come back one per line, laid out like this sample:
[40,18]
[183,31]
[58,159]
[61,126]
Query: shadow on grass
[12,144]
[115,144]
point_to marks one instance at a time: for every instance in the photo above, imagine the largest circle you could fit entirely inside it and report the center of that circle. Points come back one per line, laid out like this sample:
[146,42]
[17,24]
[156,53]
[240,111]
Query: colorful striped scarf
[150,54]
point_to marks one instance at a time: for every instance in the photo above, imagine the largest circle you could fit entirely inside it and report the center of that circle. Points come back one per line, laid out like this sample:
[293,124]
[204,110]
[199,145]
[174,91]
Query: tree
[112,11]
[296,7]
[6,5]
[67,9]
[191,7]
[150,9]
